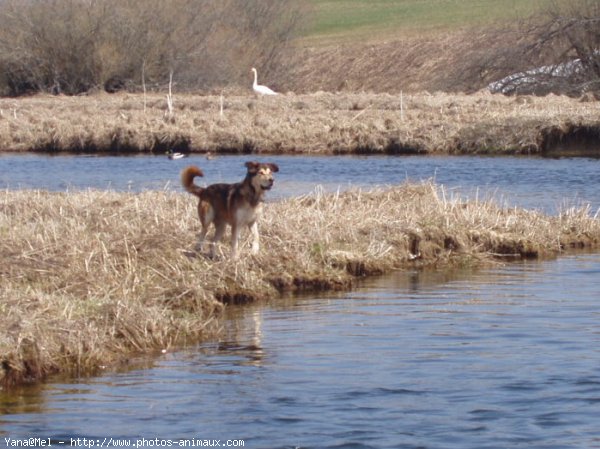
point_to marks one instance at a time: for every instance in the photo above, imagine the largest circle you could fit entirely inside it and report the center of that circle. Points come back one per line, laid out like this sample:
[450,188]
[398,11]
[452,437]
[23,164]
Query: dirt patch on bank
[570,140]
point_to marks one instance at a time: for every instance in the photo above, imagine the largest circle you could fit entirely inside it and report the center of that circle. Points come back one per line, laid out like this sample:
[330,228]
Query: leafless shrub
[72,46]
[572,33]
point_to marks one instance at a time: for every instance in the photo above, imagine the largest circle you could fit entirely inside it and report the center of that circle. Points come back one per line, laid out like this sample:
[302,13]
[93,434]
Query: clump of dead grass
[370,232]
[88,278]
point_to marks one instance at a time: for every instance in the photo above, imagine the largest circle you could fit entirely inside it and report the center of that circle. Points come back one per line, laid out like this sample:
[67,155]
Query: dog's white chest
[247,214]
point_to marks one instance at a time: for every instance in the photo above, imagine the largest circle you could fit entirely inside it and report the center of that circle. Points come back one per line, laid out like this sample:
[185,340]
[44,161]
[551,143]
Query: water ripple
[493,358]
[510,180]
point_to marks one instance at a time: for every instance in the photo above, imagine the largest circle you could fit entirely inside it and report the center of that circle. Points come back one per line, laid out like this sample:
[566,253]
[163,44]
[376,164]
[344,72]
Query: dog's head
[261,174]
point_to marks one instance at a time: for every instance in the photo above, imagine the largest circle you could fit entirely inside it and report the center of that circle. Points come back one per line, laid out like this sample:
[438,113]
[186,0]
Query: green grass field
[367,19]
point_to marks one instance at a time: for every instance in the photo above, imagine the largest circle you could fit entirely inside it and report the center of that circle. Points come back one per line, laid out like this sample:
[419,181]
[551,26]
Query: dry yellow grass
[312,123]
[90,278]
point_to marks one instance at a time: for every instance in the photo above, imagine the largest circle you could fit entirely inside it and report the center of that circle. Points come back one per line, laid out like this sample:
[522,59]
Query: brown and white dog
[238,204]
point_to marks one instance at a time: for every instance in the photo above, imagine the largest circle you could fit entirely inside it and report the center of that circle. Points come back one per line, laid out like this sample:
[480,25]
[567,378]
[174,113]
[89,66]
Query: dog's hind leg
[201,238]
[219,231]
[206,214]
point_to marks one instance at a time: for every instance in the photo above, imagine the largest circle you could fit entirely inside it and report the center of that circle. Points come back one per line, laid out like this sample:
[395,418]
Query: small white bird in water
[260,89]
[173,156]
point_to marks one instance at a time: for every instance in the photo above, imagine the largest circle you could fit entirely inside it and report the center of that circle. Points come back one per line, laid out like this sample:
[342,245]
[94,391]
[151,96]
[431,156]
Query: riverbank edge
[93,278]
[318,123]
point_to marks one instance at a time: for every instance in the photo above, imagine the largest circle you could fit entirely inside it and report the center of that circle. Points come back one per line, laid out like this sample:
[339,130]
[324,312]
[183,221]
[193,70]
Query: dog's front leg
[255,237]
[235,236]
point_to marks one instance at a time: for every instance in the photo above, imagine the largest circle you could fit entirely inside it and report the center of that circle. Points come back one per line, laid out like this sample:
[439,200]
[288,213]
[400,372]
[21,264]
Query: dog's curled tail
[187,179]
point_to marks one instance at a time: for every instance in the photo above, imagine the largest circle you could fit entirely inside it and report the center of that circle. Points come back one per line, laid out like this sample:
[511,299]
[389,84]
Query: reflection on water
[505,357]
[527,182]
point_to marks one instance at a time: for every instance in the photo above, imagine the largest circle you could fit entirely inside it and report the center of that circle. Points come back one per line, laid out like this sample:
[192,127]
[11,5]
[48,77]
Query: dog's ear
[274,167]
[252,167]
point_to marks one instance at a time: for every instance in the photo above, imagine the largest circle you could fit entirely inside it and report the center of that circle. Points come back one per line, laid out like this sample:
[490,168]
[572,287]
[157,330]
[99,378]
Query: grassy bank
[90,278]
[290,123]
[357,20]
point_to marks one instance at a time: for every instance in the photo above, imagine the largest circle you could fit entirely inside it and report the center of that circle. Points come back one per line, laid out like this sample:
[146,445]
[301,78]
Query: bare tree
[555,51]
[573,32]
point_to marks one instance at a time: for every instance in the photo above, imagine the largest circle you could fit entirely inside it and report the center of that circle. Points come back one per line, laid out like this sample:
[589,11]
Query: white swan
[259,89]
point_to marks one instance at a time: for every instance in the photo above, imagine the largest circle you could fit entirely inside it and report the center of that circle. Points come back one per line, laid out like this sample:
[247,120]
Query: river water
[497,358]
[531,182]
[501,357]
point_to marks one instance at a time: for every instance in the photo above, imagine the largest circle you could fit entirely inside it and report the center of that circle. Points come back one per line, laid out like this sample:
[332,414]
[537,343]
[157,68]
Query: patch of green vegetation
[362,18]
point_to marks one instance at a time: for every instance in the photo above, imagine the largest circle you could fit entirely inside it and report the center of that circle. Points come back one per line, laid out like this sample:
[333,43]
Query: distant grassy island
[326,123]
